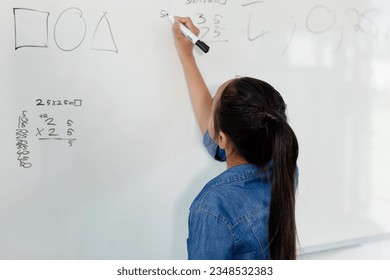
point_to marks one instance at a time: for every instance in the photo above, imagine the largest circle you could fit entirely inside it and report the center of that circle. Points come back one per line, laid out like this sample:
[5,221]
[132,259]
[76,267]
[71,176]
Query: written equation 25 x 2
[45,127]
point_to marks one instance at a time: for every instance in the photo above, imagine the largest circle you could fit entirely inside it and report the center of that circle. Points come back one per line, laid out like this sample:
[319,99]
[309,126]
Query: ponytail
[253,114]
[282,227]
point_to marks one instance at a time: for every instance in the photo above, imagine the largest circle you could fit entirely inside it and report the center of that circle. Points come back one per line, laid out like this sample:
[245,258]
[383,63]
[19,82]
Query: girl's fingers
[176,30]
[189,24]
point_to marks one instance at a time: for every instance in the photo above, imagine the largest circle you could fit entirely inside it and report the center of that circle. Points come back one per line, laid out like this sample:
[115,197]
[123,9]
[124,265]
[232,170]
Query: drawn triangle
[103,39]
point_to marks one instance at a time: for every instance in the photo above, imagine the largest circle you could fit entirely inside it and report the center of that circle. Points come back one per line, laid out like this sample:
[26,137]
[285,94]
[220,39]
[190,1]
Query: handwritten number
[332,18]
[25,164]
[370,21]
[205,33]
[50,121]
[202,18]
[51,132]
[356,26]
[217,31]
[216,20]
[39,102]
[363,17]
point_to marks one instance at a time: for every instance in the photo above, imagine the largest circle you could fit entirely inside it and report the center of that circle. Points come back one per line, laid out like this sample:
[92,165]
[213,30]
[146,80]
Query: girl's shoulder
[234,194]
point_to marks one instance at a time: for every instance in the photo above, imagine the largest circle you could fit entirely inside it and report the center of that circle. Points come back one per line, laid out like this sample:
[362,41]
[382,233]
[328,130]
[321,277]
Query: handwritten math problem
[316,20]
[49,130]
[65,102]
[212,26]
[22,148]
[45,127]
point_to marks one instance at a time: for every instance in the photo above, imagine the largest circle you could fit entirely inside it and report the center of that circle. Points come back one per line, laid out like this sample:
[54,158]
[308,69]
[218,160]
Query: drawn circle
[68,23]
[318,12]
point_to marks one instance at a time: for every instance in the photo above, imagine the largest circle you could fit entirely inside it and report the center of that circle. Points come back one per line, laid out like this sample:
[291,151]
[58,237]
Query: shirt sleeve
[212,148]
[209,238]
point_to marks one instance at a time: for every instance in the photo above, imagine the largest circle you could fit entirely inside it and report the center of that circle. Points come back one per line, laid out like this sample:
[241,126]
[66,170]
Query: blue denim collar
[243,171]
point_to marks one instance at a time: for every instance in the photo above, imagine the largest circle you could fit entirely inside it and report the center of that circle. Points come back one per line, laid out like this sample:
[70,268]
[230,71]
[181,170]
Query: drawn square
[31,28]
[78,102]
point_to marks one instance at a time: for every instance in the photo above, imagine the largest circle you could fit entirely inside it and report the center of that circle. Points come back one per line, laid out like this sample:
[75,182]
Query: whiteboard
[101,156]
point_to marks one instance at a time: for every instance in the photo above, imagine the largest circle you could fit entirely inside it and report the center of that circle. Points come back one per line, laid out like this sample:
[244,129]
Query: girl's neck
[232,161]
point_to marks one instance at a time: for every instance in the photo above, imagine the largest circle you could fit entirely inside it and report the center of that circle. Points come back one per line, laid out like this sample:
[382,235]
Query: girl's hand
[183,45]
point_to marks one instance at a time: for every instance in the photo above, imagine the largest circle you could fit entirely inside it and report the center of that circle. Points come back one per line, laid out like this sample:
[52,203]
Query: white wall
[379,250]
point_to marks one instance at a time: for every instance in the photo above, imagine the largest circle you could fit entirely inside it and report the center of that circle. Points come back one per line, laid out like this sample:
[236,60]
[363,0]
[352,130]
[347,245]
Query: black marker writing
[220,2]
[22,26]
[78,12]
[64,102]
[289,40]
[364,22]
[211,28]
[260,34]
[329,19]
[22,150]
[251,3]
[109,43]
[50,130]
[38,34]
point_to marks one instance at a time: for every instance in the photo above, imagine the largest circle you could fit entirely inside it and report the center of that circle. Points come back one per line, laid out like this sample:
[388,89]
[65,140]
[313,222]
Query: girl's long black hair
[253,115]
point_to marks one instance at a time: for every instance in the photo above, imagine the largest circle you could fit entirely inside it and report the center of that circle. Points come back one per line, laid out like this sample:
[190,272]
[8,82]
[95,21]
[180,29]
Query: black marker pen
[191,36]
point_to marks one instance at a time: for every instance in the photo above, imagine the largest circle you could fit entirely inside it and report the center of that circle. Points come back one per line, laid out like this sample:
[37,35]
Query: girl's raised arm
[199,93]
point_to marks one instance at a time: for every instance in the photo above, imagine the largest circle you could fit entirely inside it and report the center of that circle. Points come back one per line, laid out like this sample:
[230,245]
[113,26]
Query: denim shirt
[229,217]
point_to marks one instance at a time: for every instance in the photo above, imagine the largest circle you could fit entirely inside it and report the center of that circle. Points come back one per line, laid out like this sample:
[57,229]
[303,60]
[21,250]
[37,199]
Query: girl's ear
[222,140]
